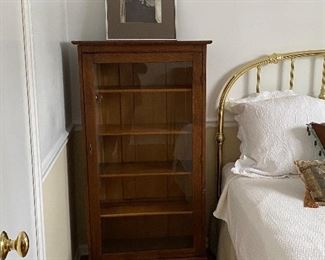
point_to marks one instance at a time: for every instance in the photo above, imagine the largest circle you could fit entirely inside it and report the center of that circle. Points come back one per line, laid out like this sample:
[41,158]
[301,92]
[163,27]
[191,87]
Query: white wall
[240,30]
[49,30]
[48,26]
[86,22]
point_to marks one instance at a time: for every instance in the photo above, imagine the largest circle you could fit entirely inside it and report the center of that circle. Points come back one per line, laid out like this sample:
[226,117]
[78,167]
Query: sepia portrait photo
[140,19]
[140,11]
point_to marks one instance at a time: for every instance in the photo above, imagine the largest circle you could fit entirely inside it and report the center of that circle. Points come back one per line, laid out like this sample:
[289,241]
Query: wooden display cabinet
[143,105]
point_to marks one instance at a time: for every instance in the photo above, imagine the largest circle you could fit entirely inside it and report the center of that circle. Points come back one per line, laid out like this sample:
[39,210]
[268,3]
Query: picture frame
[140,19]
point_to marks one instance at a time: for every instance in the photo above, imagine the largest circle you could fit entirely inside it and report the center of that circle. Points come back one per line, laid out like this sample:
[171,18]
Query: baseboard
[81,251]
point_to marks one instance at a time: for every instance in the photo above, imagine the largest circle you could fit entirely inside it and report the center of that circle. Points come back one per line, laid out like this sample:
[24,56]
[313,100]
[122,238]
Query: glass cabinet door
[144,155]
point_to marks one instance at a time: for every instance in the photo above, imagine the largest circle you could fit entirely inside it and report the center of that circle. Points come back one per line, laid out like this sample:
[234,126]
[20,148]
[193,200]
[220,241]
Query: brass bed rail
[258,64]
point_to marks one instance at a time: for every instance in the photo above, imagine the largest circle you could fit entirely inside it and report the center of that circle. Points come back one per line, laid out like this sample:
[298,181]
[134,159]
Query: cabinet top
[141,42]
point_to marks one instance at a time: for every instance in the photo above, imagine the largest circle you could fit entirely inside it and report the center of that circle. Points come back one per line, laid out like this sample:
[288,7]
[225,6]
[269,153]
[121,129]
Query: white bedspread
[267,220]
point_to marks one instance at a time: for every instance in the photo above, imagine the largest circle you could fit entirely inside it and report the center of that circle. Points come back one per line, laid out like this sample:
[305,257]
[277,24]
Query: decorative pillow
[317,131]
[313,175]
[272,133]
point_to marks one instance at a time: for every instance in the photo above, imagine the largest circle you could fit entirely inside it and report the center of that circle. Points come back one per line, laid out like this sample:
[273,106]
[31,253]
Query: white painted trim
[213,122]
[211,119]
[52,156]
[230,123]
[33,129]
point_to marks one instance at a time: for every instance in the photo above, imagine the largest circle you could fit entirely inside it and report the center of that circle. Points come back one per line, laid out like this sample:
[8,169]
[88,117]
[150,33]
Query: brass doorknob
[21,245]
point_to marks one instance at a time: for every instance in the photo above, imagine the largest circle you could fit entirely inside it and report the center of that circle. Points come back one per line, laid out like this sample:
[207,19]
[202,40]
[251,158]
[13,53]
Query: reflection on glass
[147,233]
[144,131]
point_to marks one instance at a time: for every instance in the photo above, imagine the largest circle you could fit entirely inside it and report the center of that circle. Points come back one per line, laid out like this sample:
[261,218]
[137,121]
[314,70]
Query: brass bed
[257,64]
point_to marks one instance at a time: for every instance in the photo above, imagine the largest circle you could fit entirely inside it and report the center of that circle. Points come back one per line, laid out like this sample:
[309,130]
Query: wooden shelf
[138,169]
[149,89]
[141,244]
[162,129]
[152,208]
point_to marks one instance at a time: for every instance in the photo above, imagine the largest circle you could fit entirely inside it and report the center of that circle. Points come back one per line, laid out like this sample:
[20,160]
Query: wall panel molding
[33,128]
[54,153]
[213,123]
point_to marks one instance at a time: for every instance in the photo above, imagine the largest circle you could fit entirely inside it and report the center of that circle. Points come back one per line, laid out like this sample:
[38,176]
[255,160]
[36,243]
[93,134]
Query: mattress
[266,218]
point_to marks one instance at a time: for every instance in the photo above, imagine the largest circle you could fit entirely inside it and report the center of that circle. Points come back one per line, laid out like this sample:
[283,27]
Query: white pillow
[264,95]
[273,133]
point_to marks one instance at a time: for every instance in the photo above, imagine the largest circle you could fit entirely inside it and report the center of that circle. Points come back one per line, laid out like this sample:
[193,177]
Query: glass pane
[114,77]
[147,233]
[144,133]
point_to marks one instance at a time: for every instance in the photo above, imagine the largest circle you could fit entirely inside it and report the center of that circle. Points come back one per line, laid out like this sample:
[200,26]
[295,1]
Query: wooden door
[144,132]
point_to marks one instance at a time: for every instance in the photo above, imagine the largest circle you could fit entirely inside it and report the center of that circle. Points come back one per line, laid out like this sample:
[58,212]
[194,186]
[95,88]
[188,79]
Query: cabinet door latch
[99,99]
[90,149]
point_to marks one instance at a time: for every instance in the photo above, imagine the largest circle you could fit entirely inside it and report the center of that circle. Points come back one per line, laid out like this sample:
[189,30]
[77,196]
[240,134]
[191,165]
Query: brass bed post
[219,139]
[322,90]
[292,73]
[258,79]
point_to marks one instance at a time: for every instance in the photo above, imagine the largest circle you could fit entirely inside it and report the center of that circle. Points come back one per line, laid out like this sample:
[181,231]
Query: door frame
[36,192]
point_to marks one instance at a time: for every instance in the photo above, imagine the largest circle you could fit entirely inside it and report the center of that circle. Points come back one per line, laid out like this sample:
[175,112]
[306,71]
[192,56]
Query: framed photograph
[140,19]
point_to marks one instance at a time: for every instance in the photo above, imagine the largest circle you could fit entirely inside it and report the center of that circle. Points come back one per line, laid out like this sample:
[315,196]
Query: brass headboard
[258,64]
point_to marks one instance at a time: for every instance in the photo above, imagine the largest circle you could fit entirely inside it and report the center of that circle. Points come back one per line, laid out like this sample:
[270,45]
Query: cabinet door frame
[198,152]
[198,145]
